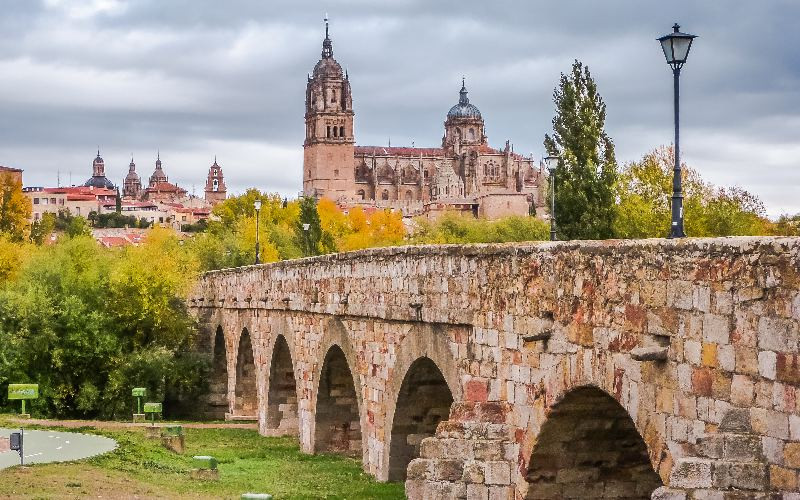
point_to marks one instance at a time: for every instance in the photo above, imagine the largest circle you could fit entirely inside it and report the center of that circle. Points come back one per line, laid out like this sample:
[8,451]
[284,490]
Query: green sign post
[152,409]
[138,393]
[23,392]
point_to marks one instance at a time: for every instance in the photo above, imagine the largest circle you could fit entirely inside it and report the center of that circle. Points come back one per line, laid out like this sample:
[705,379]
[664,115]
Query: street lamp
[257,205]
[306,227]
[676,47]
[551,162]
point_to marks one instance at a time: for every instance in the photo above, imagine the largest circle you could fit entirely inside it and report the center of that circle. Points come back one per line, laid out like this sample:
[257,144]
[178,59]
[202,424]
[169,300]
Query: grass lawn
[142,468]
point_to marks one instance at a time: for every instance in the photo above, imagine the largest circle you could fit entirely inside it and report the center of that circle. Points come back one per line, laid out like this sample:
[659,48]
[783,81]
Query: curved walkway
[44,446]
[112,425]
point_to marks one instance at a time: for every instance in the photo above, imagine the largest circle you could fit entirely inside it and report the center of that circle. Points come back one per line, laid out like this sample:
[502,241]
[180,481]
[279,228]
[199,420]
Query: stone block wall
[654,345]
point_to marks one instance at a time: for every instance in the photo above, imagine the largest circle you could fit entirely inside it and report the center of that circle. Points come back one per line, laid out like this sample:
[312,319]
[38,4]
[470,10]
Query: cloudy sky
[198,78]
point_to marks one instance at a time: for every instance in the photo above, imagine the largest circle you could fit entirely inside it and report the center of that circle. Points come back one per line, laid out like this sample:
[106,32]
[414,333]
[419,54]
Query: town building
[14,173]
[464,174]
[77,200]
[160,202]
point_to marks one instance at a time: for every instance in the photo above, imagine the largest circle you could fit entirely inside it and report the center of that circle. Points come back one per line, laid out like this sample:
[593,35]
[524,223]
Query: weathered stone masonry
[575,369]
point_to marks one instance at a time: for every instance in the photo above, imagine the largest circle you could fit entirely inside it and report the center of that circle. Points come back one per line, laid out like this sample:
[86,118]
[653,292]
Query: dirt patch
[4,445]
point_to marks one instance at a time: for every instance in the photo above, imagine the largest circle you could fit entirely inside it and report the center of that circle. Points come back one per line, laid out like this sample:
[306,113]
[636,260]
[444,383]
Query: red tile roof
[395,151]
[164,187]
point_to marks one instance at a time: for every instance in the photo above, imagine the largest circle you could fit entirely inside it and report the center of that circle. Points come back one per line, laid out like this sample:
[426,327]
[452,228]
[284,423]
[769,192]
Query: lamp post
[257,205]
[306,227]
[551,162]
[676,47]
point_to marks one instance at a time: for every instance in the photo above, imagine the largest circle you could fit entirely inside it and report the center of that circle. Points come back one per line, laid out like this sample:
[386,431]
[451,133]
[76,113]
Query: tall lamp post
[257,205]
[551,162]
[676,47]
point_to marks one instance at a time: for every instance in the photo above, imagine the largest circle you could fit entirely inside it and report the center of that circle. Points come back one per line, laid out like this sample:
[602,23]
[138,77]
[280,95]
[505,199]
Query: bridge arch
[218,385]
[424,400]
[334,347]
[337,414]
[440,374]
[282,397]
[589,447]
[246,386]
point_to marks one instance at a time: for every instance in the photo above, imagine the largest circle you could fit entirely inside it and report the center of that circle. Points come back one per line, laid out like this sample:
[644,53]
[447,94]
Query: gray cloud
[195,79]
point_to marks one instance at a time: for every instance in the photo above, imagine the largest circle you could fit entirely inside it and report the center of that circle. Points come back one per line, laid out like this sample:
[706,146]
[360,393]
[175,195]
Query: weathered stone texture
[551,355]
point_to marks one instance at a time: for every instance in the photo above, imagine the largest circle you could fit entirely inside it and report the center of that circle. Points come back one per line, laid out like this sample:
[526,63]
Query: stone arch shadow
[425,383]
[245,384]
[589,446]
[279,413]
[338,421]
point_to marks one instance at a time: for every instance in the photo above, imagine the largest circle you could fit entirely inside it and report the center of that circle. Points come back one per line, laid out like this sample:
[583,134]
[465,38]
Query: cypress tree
[586,174]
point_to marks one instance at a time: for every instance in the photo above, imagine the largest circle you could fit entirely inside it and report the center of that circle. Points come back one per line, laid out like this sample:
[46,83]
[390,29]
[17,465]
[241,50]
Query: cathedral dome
[327,67]
[464,109]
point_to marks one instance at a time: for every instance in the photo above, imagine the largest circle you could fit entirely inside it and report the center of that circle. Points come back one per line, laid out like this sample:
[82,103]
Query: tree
[308,239]
[15,208]
[42,229]
[586,172]
[644,189]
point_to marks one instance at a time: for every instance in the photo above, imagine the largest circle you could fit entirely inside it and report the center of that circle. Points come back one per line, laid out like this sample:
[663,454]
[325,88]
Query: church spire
[327,45]
[463,99]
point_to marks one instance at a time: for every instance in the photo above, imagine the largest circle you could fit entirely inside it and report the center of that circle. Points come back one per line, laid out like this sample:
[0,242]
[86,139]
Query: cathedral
[465,174]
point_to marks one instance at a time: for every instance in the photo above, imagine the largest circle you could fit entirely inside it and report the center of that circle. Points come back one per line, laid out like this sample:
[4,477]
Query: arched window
[329,131]
[472,134]
[216,185]
[409,196]
[385,195]
[335,132]
[361,194]
[341,131]
[333,95]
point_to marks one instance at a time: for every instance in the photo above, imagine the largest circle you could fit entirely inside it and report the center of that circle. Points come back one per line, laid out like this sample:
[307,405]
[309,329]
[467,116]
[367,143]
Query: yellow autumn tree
[15,208]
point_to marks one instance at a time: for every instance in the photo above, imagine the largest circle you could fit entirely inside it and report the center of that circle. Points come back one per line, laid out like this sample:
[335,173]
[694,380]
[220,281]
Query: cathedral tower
[329,146]
[464,127]
[215,184]
[132,186]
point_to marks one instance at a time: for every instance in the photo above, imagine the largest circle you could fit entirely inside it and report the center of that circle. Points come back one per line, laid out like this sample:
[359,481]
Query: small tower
[215,184]
[98,178]
[132,186]
[329,146]
[158,173]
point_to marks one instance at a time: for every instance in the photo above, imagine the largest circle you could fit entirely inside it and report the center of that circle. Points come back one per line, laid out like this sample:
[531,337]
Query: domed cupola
[464,126]
[327,66]
[98,178]
[464,109]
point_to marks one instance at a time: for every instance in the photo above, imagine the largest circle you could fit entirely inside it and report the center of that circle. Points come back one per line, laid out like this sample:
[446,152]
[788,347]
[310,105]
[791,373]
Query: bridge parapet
[650,342]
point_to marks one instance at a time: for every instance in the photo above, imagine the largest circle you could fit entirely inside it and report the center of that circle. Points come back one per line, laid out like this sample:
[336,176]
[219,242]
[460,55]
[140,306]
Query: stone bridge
[551,370]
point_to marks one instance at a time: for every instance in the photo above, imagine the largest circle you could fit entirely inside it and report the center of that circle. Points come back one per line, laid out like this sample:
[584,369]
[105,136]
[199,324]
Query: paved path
[51,446]
[109,424]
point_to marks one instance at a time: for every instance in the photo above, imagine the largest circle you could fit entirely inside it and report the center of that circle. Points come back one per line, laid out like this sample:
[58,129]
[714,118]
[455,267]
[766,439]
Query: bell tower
[328,164]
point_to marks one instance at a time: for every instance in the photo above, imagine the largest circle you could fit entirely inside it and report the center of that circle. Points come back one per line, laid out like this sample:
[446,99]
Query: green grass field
[142,468]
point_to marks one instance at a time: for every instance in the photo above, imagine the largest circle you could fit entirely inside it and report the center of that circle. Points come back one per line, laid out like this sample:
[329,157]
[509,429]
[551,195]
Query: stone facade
[465,174]
[658,368]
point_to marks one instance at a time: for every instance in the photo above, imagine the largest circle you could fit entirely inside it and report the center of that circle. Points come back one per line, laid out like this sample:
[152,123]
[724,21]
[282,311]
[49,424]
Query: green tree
[586,172]
[42,229]
[309,240]
[15,208]
[78,226]
[787,225]
[644,189]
